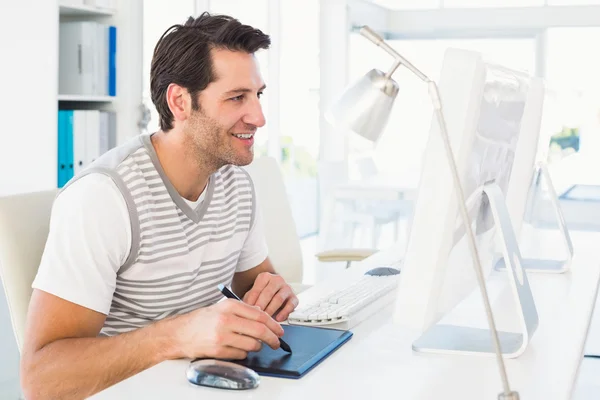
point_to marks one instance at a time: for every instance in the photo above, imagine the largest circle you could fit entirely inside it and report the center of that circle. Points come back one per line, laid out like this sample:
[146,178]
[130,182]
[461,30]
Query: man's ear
[179,101]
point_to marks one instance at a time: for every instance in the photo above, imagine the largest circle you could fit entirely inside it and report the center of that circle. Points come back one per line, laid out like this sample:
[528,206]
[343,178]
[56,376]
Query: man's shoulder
[94,187]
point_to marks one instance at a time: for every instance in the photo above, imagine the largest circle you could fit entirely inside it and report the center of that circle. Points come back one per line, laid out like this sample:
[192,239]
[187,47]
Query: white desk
[378,360]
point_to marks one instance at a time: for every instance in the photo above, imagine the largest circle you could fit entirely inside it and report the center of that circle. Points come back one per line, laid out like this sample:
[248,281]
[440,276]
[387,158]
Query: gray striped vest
[178,255]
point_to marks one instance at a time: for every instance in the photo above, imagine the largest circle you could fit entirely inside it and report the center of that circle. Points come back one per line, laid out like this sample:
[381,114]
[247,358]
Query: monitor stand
[453,339]
[546,265]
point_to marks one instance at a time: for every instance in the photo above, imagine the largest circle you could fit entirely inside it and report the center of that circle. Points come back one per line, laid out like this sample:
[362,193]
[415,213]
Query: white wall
[28,107]
[28,115]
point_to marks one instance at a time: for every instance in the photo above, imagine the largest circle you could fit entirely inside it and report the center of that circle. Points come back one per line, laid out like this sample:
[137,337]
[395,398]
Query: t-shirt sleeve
[89,239]
[255,249]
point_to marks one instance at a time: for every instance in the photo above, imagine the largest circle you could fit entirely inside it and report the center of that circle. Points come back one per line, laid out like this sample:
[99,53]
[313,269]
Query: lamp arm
[378,40]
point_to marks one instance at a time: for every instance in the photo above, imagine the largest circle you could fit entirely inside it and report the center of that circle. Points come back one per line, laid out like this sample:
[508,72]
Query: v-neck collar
[193,214]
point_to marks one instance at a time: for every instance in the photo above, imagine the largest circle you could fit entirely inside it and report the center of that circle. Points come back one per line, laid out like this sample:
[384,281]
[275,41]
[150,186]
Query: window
[299,108]
[299,80]
[572,71]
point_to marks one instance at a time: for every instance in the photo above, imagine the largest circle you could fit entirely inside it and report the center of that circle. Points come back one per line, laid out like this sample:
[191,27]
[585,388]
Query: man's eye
[238,98]
[259,94]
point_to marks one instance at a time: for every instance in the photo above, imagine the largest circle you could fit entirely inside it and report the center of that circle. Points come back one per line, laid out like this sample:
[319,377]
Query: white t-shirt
[90,238]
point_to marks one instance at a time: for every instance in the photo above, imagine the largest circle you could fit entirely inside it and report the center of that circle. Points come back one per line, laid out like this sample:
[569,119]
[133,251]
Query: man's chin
[243,159]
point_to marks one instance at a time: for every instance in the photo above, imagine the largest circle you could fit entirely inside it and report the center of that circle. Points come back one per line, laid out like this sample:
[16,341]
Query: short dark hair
[182,56]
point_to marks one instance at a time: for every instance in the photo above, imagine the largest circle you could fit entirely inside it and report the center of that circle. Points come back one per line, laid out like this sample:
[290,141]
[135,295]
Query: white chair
[361,206]
[280,229]
[24,223]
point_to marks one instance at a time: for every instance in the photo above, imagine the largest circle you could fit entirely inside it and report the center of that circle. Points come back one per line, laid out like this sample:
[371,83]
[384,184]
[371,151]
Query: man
[140,240]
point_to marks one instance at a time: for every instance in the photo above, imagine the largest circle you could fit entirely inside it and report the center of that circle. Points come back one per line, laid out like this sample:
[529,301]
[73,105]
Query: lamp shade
[365,107]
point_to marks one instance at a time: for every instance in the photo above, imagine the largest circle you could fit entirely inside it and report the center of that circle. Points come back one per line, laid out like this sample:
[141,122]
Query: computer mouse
[222,375]
[382,271]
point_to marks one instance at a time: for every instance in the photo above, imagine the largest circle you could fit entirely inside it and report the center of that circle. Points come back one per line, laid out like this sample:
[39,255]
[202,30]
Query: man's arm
[64,359]
[261,286]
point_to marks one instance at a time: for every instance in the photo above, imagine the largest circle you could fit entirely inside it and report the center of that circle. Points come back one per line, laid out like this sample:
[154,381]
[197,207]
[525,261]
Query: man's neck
[186,175]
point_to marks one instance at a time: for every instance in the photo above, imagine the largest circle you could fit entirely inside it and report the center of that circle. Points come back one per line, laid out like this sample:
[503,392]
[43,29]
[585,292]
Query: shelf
[86,98]
[90,11]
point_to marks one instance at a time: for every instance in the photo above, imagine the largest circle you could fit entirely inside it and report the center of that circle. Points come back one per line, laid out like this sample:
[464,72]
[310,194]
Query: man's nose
[255,115]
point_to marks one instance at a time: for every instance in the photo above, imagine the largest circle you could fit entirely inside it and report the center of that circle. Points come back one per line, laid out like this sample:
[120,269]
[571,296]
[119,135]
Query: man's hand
[227,330]
[271,294]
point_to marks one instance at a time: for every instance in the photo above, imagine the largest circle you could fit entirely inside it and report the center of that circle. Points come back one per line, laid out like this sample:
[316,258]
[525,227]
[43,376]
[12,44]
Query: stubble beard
[209,145]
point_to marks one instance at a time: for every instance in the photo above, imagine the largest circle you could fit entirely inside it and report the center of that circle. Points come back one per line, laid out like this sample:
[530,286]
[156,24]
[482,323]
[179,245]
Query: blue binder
[65,147]
[112,61]
[60,167]
[310,346]
[69,145]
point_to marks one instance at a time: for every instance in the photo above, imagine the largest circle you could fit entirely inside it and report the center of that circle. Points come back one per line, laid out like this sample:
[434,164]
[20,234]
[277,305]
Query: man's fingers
[266,295]
[245,311]
[256,330]
[290,306]
[242,342]
[262,280]
[278,300]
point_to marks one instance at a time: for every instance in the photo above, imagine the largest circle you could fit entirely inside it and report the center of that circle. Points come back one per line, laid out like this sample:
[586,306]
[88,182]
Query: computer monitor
[492,115]
[526,180]
[527,153]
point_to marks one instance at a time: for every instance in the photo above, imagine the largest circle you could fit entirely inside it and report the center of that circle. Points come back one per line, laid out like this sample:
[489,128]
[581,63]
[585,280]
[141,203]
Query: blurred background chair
[355,211]
[24,224]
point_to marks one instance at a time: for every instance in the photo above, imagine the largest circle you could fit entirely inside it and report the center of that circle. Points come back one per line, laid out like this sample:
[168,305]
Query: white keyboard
[345,307]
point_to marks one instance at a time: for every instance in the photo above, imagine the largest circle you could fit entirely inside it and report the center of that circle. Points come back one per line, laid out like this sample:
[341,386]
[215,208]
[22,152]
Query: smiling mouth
[243,135]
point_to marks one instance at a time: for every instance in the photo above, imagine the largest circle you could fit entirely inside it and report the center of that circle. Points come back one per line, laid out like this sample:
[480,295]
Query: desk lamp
[365,108]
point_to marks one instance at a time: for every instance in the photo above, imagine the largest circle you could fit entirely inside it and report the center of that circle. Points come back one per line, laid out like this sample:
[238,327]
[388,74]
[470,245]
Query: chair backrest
[280,230]
[24,223]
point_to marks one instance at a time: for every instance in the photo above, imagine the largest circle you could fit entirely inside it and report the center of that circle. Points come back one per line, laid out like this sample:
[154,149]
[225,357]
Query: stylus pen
[230,295]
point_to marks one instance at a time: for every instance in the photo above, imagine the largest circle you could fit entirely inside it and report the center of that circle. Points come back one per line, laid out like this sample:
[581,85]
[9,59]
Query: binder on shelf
[112,61]
[68,146]
[79,147]
[65,147]
[61,159]
[87,58]
[108,129]
[69,142]
[112,130]
[92,136]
